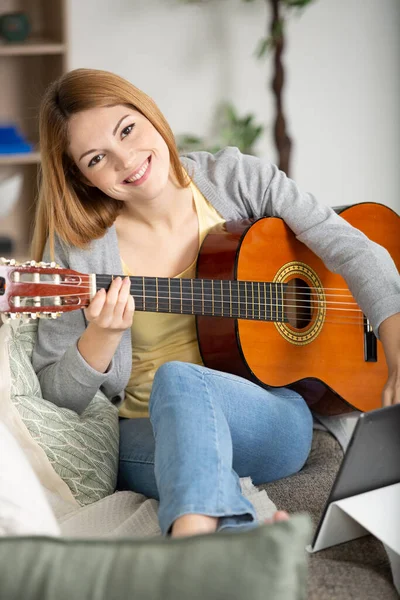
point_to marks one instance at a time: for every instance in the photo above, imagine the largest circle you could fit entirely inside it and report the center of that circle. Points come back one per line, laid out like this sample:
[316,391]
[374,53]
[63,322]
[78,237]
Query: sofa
[356,570]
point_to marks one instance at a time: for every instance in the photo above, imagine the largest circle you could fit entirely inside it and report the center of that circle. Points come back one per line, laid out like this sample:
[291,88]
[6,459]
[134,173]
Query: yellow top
[161,337]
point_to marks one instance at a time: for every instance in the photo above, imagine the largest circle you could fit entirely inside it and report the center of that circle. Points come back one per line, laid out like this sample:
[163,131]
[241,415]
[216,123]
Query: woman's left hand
[389,333]
[391,391]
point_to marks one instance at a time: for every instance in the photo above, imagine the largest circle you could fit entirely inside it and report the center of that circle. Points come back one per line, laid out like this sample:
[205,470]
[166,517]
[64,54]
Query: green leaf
[264,46]
[297,3]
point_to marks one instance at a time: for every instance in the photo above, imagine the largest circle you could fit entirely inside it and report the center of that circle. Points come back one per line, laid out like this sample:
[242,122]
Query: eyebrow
[114,132]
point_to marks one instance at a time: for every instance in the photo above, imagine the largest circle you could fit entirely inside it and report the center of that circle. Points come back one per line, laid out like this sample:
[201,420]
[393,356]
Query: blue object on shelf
[12,141]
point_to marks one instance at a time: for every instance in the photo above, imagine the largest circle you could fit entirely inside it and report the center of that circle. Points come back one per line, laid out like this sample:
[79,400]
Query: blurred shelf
[29,158]
[34,45]
[26,70]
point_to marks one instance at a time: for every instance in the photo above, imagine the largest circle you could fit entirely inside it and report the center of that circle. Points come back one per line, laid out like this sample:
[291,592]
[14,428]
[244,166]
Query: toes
[281,515]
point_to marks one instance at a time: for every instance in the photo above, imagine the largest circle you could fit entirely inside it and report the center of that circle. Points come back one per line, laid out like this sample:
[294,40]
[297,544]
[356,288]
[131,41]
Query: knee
[170,372]
[169,383]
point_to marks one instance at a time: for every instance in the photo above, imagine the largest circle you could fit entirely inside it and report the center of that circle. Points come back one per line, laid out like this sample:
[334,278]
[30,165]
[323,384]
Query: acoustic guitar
[266,307]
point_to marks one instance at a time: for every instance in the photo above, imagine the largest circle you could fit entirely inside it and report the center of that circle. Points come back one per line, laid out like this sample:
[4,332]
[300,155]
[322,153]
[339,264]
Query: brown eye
[95,160]
[127,130]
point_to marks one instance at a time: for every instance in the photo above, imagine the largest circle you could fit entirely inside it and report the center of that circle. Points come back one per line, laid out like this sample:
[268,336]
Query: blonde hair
[76,212]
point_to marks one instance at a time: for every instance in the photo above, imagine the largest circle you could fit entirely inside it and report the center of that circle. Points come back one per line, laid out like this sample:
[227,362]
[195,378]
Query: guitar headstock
[42,290]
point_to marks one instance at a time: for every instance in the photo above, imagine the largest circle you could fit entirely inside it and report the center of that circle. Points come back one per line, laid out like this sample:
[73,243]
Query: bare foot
[280,515]
[197,524]
[193,525]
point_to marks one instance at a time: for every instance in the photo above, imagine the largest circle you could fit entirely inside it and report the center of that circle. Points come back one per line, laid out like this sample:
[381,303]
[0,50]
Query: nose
[124,159]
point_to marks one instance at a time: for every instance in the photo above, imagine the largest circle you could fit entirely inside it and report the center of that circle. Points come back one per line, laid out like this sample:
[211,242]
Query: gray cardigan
[239,187]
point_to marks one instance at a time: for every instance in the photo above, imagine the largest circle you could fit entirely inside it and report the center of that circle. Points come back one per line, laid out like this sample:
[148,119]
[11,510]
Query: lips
[137,175]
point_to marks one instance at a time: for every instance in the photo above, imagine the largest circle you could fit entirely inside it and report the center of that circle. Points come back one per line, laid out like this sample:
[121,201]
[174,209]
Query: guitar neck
[258,300]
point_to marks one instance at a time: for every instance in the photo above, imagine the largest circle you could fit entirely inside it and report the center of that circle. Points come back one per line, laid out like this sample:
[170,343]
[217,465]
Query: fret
[234,299]
[151,294]
[217,298]
[191,289]
[270,303]
[180,293]
[245,291]
[238,300]
[283,287]
[169,295]
[175,287]
[252,300]
[208,298]
[273,302]
[198,308]
[277,300]
[157,294]
[226,298]
[259,301]
[187,296]
[163,295]
[265,302]
[144,294]
[202,296]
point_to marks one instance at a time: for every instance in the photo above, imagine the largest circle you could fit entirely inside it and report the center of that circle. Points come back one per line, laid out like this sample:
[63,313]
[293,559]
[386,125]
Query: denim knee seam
[219,470]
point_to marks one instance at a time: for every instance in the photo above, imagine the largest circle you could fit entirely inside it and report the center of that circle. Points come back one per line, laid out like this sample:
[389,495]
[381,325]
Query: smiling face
[120,152]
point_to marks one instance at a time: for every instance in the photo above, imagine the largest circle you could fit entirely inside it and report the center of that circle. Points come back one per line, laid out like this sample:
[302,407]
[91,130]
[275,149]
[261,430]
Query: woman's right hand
[113,310]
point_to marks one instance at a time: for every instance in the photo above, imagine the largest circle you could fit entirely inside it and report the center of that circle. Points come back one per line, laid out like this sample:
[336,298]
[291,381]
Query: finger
[129,311]
[95,306]
[107,313]
[396,399]
[387,397]
[122,299]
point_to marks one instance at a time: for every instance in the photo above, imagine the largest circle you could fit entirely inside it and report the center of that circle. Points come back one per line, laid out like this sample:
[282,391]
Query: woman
[116,198]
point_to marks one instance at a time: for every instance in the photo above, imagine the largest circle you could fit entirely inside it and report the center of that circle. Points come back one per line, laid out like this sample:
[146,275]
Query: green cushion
[264,563]
[83,449]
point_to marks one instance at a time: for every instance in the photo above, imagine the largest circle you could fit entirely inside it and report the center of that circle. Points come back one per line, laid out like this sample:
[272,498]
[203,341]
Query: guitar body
[324,355]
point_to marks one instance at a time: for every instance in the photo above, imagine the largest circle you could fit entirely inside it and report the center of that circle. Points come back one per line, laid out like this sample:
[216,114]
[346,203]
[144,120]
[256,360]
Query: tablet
[372,458]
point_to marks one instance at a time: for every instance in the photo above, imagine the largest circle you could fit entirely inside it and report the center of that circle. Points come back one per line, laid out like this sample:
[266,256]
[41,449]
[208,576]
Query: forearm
[389,334]
[97,346]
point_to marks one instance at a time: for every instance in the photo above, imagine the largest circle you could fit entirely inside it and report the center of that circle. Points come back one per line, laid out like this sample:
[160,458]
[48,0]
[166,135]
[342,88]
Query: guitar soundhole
[298,303]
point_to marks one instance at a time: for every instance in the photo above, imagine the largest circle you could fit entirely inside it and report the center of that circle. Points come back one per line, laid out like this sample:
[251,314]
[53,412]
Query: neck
[254,300]
[160,212]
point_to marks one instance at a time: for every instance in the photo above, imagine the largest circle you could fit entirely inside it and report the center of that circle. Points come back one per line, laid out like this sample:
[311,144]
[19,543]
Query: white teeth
[139,174]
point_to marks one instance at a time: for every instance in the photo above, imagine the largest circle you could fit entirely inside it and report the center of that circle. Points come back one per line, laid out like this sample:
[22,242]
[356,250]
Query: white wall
[342,97]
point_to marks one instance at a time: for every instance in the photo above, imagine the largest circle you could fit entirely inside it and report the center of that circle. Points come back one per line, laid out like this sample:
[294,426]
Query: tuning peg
[8,261]
[30,263]
[7,316]
[48,315]
[51,265]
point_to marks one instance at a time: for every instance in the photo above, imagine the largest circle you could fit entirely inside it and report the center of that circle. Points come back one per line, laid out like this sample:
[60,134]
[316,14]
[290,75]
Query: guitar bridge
[370,343]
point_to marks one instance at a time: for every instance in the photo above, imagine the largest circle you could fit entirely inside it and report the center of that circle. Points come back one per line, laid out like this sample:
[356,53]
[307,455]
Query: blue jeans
[210,428]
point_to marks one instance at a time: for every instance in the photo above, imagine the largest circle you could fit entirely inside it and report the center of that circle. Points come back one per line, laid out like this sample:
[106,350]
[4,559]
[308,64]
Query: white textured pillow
[83,449]
[24,509]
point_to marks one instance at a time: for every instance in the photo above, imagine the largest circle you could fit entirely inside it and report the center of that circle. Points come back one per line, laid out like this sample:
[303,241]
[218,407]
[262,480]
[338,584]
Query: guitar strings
[107,279]
[256,313]
[186,294]
[226,301]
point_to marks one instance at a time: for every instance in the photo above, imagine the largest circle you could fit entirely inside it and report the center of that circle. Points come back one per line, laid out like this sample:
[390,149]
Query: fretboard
[256,300]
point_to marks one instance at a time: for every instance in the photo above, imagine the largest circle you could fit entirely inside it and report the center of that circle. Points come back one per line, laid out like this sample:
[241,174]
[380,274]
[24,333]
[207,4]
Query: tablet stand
[376,512]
